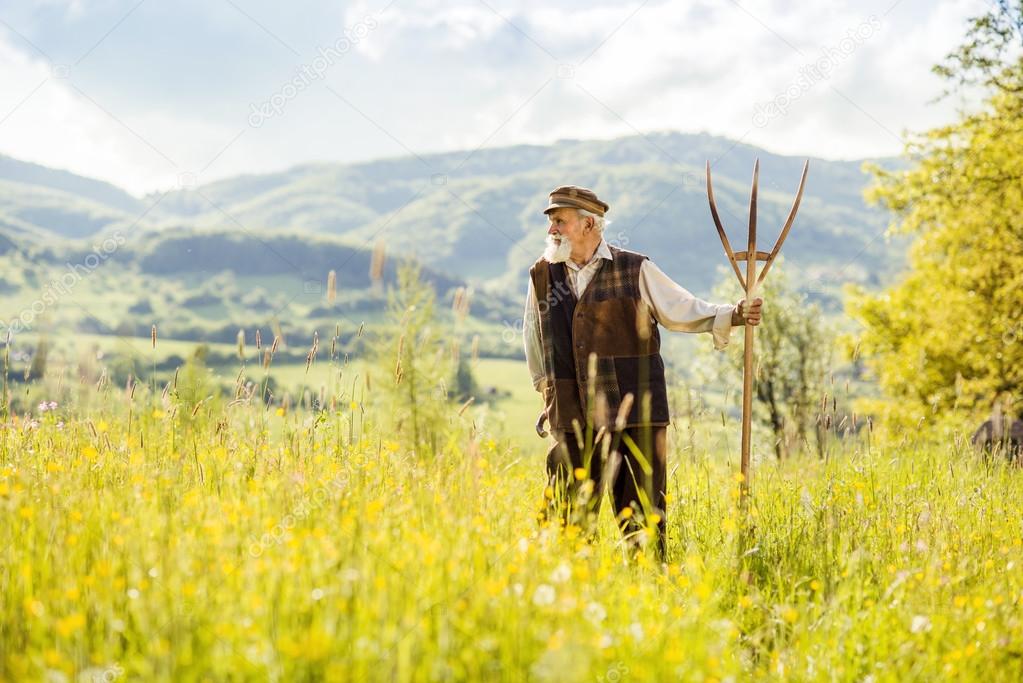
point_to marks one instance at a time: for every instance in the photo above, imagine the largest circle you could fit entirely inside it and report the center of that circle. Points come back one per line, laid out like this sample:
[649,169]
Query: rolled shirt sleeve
[531,339]
[677,309]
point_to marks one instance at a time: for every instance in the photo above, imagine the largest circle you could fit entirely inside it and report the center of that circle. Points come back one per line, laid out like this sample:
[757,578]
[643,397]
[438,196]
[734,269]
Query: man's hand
[751,314]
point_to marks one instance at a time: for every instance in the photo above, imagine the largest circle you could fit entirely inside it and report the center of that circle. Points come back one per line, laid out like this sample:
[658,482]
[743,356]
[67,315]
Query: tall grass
[365,541]
[309,554]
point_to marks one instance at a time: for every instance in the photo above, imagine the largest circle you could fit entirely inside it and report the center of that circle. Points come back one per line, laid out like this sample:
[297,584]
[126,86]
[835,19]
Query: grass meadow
[150,537]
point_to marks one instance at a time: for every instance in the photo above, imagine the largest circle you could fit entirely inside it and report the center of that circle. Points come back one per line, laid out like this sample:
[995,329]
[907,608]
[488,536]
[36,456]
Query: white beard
[557,252]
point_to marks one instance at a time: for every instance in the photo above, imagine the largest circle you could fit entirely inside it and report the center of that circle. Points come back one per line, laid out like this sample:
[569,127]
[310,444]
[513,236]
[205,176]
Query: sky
[153,94]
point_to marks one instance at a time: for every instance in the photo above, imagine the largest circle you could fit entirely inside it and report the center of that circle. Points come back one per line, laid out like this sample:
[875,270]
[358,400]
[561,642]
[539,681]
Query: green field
[250,544]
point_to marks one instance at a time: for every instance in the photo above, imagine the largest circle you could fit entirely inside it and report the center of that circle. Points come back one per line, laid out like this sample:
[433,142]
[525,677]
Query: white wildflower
[561,573]
[595,613]
[544,595]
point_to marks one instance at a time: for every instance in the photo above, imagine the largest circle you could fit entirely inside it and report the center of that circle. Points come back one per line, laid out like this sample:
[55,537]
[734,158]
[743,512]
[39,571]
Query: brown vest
[612,324]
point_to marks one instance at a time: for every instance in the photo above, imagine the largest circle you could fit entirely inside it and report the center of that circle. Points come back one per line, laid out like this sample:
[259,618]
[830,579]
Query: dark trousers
[577,477]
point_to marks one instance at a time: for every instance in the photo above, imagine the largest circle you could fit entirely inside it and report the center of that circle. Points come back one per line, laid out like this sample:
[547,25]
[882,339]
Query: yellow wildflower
[68,625]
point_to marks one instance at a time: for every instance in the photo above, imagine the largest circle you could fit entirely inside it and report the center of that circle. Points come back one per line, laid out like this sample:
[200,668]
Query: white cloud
[454,28]
[706,67]
[49,122]
[694,66]
[451,74]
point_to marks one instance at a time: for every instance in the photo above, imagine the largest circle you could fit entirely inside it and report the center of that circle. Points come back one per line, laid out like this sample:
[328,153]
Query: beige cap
[575,197]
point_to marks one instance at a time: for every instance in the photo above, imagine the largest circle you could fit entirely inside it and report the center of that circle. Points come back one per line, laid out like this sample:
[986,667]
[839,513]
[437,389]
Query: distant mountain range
[476,216]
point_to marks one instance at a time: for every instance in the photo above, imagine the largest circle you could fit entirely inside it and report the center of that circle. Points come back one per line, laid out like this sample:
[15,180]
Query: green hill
[207,285]
[477,215]
[252,252]
[97,191]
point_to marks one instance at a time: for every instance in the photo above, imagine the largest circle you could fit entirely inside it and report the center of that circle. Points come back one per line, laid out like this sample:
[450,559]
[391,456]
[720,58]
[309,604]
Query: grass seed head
[331,287]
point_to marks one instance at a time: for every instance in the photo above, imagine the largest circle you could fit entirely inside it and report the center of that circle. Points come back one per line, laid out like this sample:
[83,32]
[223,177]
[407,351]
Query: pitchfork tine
[788,223]
[721,230]
[753,210]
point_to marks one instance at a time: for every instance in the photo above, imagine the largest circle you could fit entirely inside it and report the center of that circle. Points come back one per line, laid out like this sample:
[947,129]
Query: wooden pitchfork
[749,284]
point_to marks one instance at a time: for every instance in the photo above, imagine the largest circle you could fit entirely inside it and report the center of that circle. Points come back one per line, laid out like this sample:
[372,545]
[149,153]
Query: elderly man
[593,348]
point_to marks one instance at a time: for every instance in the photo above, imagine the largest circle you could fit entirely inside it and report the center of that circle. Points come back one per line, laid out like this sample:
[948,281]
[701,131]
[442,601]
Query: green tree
[38,368]
[415,362]
[465,381]
[948,334]
[990,56]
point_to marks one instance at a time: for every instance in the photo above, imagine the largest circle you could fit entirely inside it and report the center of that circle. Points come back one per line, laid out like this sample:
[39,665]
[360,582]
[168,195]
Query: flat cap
[575,197]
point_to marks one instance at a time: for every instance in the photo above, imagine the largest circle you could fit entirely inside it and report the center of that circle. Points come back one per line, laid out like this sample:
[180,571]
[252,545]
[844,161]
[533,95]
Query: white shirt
[670,305]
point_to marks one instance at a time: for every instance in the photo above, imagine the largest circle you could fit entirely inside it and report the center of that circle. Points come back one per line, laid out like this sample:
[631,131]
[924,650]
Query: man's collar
[603,251]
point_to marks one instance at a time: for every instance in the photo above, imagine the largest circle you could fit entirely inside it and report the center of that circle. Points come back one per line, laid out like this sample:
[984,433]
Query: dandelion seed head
[544,595]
